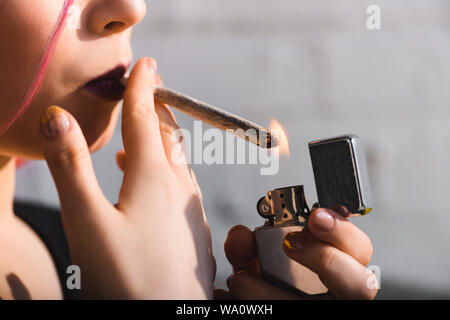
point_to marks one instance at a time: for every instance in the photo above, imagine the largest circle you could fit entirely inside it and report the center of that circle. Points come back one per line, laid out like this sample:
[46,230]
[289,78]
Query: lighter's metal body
[341,178]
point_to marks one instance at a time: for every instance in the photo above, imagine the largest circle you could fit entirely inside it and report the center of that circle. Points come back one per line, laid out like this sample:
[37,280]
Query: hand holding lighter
[340,174]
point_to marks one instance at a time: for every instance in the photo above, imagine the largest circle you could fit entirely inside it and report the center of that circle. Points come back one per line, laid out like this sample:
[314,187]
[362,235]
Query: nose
[105,17]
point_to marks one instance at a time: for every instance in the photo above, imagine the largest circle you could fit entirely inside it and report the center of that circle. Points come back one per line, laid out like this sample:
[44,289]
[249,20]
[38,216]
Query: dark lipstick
[108,86]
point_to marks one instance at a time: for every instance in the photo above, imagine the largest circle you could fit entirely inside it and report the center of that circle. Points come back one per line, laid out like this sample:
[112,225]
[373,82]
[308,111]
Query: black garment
[46,222]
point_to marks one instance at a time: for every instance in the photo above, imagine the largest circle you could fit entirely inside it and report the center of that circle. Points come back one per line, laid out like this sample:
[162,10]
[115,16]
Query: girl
[60,94]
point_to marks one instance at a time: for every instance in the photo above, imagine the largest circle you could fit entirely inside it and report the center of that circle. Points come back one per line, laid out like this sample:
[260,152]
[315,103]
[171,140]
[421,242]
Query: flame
[283,142]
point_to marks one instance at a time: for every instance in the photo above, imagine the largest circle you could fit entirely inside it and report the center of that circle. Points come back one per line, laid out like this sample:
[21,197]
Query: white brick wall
[315,67]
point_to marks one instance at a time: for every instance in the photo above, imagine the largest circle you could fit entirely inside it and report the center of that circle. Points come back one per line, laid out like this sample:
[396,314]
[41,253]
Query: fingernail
[342,210]
[153,65]
[323,221]
[54,122]
[295,241]
[238,228]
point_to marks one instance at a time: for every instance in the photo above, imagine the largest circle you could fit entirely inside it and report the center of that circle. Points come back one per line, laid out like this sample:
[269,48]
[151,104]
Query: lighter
[341,178]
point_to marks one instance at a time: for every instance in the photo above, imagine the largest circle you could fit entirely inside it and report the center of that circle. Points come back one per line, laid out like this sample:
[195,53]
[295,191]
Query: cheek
[104,133]
[24,28]
[22,138]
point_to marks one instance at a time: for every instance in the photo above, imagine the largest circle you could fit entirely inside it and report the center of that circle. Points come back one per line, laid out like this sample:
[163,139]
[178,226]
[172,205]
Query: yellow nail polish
[44,118]
[295,241]
[54,110]
[54,122]
[288,244]
[50,111]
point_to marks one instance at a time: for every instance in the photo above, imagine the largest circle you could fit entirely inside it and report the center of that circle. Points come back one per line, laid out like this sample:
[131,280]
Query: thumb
[67,155]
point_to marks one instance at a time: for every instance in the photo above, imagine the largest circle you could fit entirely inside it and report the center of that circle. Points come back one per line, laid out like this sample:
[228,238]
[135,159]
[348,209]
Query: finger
[158,80]
[332,228]
[344,276]
[220,294]
[240,250]
[245,286]
[343,211]
[145,157]
[172,140]
[167,124]
[196,185]
[120,159]
[67,155]
[140,123]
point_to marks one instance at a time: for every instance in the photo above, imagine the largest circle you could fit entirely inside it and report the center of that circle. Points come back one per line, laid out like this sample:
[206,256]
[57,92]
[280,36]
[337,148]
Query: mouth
[109,85]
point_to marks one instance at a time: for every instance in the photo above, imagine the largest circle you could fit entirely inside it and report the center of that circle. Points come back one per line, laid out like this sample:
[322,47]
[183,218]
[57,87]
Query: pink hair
[41,67]
[38,75]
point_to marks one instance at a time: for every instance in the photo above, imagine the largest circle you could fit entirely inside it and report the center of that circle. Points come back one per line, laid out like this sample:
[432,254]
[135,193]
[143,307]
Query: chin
[99,132]
[100,141]
[97,124]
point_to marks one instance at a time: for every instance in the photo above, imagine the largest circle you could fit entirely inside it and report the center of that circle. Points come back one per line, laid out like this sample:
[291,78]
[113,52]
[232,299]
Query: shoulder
[47,224]
[27,269]
[45,221]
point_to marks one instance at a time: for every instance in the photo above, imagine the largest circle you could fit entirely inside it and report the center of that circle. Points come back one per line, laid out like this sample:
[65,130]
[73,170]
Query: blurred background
[315,67]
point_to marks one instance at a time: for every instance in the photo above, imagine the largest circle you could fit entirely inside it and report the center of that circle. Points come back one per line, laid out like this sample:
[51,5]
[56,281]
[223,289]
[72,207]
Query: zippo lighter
[341,178]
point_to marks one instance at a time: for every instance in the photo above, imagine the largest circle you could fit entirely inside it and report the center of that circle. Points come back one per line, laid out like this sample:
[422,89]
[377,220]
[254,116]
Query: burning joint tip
[272,140]
[279,136]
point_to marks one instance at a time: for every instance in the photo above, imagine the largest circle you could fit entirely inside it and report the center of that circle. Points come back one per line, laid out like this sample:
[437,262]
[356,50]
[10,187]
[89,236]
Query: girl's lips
[108,85]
